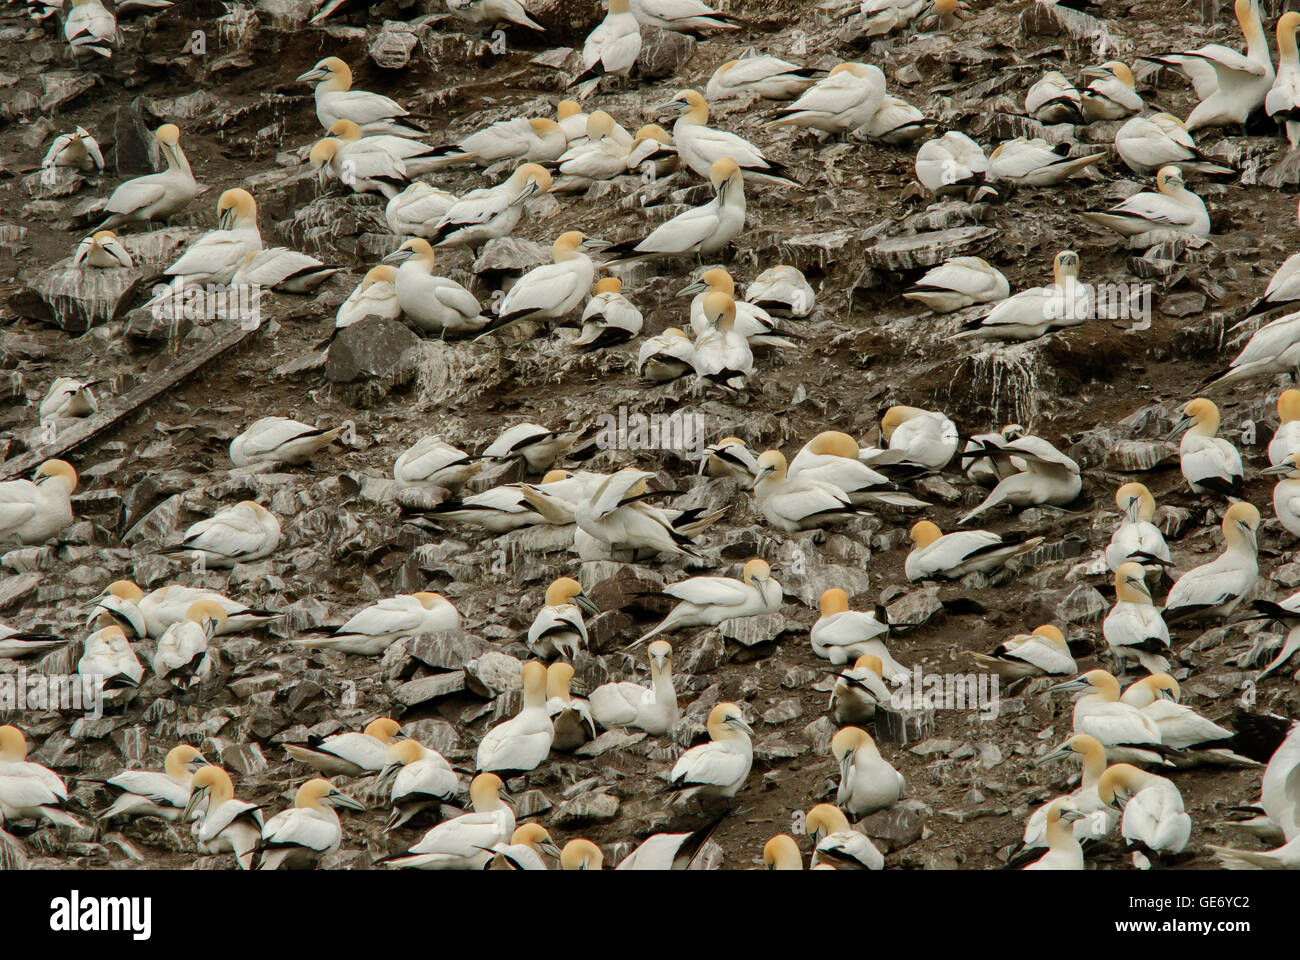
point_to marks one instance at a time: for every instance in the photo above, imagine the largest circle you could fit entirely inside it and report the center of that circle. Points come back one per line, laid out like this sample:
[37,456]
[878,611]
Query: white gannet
[609,317]
[1274,348]
[359,167]
[699,145]
[1063,850]
[303,835]
[801,502]
[280,440]
[241,533]
[614,514]
[665,357]
[466,842]
[558,629]
[570,715]
[722,354]
[682,16]
[551,291]
[1284,613]
[436,305]
[752,322]
[90,27]
[108,667]
[282,269]
[1136,538]
[217,254]
[1154,823]
[953,163]
[569,115]
[1181,727]
[102,250]
[336,100]
[29,791]
[1286,440]
[959,282]
[33,511]
[600,155]
[152,793]
[1053,99]
[653,152]
[841,634]
[1173,208]
[158,195]
[227,824]
[1099,819]
[782,291]
[525,849]
[1112,93]
[1210,464]
[846,99]
[429,462]
[527,139]
[1214,589]
[182,654]
[831,458]
[858,690]
[1241,82]
[522,742]
[611,49]
[1283,101]
[1285,857]
[417,210]
[707,601]
[374,296]
[626,704]
[420,778]
[669,851]
[1031,313]
[838,844]
[701,230]
[151,615]
[868,782]
[1043,653]
[1048,477]
[375,628]
[581,854]
[768,77]
[1036,163]
[925,438]
[17,644]
[1146,144]
[1134,629]
[416,158]
[350,754]
[896,122]
[1126,732]
[493,12]
[719,767]
[782,853]
[77,149]
[1286,493]
[985,468]
[537,446]
[69,397]
[950,556]
[499,509]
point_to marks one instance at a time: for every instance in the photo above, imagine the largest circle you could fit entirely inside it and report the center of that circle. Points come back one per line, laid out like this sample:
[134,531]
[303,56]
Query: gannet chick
[537,446]
[29,791]
[418,210]
[719,767]
[1036,163]
[666,357]
[492,12]
[1287,439]
[570,716]
[959,282]
[1043,653]
[867,780]
[151,793]
[768,77]
[841,634]
[551,291]
[227,824]
[1154,823]
[525,849]
[420,778]
[699,145]
[558,629]
[1112,94]
[33,511]
[1286,494]
[1049,477]
[1137,538]
[611,49]
[102,250]
[950,556]
[522,742]
[182,654]
[630,705]
[1098,819]
[350,754]
[801,502]
[1210,464]
[609,317]
[280,440]
[69,397]
[1242,83]
[300,837]
[581,854]
[109,667]
[846,99]
[722,354]
[1031,313]
[1126,732]
[465,842]
[953,163]
[375,628]
[492,212]
[90,27]
[701,230]
[730,457]
[707,601]
[1214,589]
[838,844]
[1134,629]
[336,100]
[1063,850]
[241,533]
[1054,99]
[859,690]
[430,462]
[158,195]
[925,438]
[436,305]
[1146,144]
[78,150]
[782,291]
[1173,208]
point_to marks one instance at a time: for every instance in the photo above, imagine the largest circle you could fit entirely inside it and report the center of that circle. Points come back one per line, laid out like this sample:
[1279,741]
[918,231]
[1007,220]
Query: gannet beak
[549,848]
[198,761]
[339,799]
[401,255]
[313,74]
[1071,685]
[1069,816]
[1057,754]
[196,797]
[1179,427]
[1134,505]
[699,286]
[740,724]
[508,801]
[1166,694]
[1280,470]
[586,604]
[592,243]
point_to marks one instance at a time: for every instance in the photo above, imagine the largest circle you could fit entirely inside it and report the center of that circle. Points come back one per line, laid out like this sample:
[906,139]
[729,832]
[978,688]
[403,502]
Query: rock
[432,687]
[586,807]
[903,726]
[929,249]
[449,650]
[898,826]
[751,631]
[663,52]
[783,712]
[915,608]
[1134,456]
[135,151]
[77,299]
[493,673]
[373,349]
[392,48]
[13,589]
[1183,304]
[1172,521]
[1083,604]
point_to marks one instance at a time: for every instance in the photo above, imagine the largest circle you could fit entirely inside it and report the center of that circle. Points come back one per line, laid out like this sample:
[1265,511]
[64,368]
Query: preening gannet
[1134,629]
[309,830]
[609,317]
[1154,823]
[525,849]
[417,210]
[90,28]
[77,149]
[1286,494]
[959,282]
[1210,464]
[953,163]
[611,49]
[522,742]
[868,782]
[668,356]
[33,511]
[783,291]
[570,715]
[226,824]
[950,556]
[926,438]
[1043,653]
[721,766]
[1036,163]
[182,653]
[722,354]
[1048,477]
[1136,538]
[375,296]
[581,854]
[418,778]
[430,462]
[558,629]
[838,844]
[782,853]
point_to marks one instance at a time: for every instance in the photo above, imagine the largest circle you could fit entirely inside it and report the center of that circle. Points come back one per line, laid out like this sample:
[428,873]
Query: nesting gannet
[669,851]
[953,163]
[241,533]
[558,629]
[699,145]
[581,854]
[158,195]
[1043,653]
[782,291]
[430,462]
[29,791]
[77,149]
[752,322]
[216,255]
[707,601]
[846,99]
[801,502]
[436,305]
[700,230]
[1098,819]
[1286,494]
[493,12]
[1173,208]
[985,468]
[417,210]
[151,615]
[600,155]
[1112,93]
[182,654]
[840,634]
[1126,732]
[1146,144]
[1181,727]
[279,268]
[108,667]
[419,778]
[499,509]
[868,782]
[89,27]
[551,291]
[768,77]
[838,844]
[375,296]
[831,458]
[682,16]
[102,250]
[722,354]
[896,122]
[959,282]
[522,742]
[227,824]
[1031,313]
[280,440]
[1284,613]
[527,139]
[416,158]
[360,168]
[537,446]
[609,317]
[33,511]
[614,513]
[336,100]
[69,397]
[1036,163]
[570,715]
[859,690]
[1137,538]
[1274,348]
[611,49]
[1063,850]
[1242,83]
[1286,440]
[653,152]
[375,628]
[950,556]
[1154,823]
[465,842]
[1210,464]
[569,115]
[925,438]
[350,754]
[152,793]
[665,357]
[1049,477]
[782,853]
[1054,99]
[652,709]
[1214,589]
[1134,629]
[308,831]
[525,849]
[720,766]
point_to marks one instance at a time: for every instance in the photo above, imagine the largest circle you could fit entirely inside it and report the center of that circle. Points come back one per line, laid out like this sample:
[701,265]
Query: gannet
[1031,313]
[802,502]
[17,644]
[151,615]
[1134,629]
[375,296]
[569,115]
[950,556]
[615,514]
[217,254]
[1286,494]
[1173,208]
[1054,99]
[536,445]
[1063,850]
[652,709]
[1181,727]
[419,778]
[494,12]
[499,509]
[1286,440]
[522,742]
[682,16]
[782,853]
[1154,823]
[69,397]
[868,782]
[1210,464]
[1049,476]
[1284,613]
[1098,818]
[465,842]
[1146,144]
[700,230]
[896,122]
[525,849]
[707,601]
[925,438]
[609,317]
[983,465]
[241,533]
[1274,348]
[782,291]
[953,163]
[1242,82]
[303,835]
[436,305]
[90,27]
[430,462]
[77,149]
[1126,732]
[570,715]
[182,654]
[33,511]
[831,458]
[418,210]
[719,767]
[416,158]
[336,100]
[722,354]
[768,77]
[152,793]
[558,629]
[665,357]
[959,282]
[108,667]
[280,440]
[600,155]
[226,825]
[846,99]
[669,851]
[102,250]
[837,843]
[551,291]
[1285,857]
[282,269]
[1283,100]
[350,754]
[359,167]
[29,791]
[1137,538]
[1036,163]
[752,322]
[526,139]
[611,49]
[1214,589]
[1043,653]
[375,628]
[840,634]
[699,145]
[1112,94]
[158,195]
[653,153]
[581,854]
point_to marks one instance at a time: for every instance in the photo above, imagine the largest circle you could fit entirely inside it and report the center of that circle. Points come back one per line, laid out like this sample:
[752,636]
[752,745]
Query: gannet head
[168,135]
[924,533]
[1120,781]
[211,783]
[1064,266]
[652,131]
[1288,401]
[57,472]
[1288,467]
[430,600]
[661,656]
[534,677]
[333,71]
[543,125]
[599,124]
[384,729]
[756,570]
[1241,525]
[529,179]
[1086,746]
[537,837]
[1052,632]
[619,6]
[848,740]
[322,152]
[825,819]
[833,443]
[485,790]
[417,249]
[895,417]
[1199,415]
[345,129]
[182,760]
[782,853]
[554,476]
[1130,584]
[1102,684]
[13,745]
[607,285]
[567,590]
[581,854]
[1136,501]
[720,310]
[869,661]
[380,274]
[1169,180]
[567,108]
[236,208]
[724,170]
[207,609]
[399,755]
[558,677]
[726,721]
[834,601]
[713,280]
[319,792]
[695,107]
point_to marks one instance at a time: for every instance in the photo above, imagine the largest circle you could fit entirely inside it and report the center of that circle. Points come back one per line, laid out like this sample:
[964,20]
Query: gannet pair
[752,322]
[1136,538]
[1032,313]
[350,754]
[336,100]
[1043,653]
[158,195]
[241,533]
[1048,476]
[707,601]
[467,842]
[1198,739]
[558,630]
[721,353]
[841,634]
[1174,207]
[150,615]
[375,628]
[630,705]
[950,556]
[1214,589]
